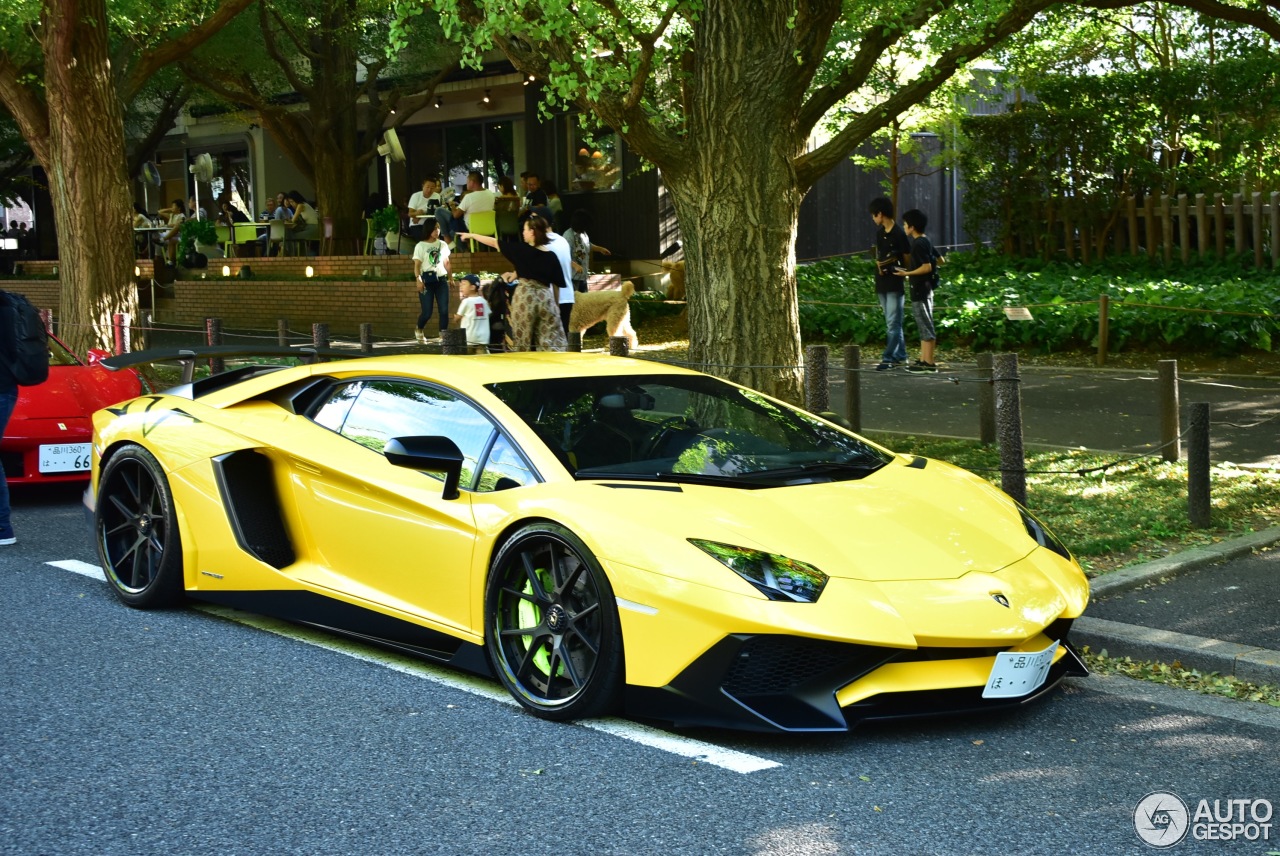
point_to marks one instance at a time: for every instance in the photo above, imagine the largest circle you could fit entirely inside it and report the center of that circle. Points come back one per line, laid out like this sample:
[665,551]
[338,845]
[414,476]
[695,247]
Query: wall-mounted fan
[202,169]
[392,151]
[150,175]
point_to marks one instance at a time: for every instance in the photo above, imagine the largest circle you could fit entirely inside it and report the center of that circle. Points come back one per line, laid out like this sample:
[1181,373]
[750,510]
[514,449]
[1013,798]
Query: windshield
[684,428]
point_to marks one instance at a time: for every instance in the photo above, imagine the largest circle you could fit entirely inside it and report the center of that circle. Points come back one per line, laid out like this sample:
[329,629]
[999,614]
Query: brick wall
[391,306]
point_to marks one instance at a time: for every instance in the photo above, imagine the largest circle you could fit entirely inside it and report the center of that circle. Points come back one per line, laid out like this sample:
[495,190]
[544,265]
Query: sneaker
[921,367]
[417,334]
[885,366]
[5,542]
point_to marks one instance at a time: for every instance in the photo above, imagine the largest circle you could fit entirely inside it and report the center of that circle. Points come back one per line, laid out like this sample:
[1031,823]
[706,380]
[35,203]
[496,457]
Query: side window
[334,411]
[504,469]
[388,408]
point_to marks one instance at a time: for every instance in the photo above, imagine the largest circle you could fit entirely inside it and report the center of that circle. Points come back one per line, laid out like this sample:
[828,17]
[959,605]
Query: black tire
[551,625]
[137,531]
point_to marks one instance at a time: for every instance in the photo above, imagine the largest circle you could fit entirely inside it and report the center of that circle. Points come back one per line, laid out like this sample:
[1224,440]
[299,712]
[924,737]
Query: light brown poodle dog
[611,307]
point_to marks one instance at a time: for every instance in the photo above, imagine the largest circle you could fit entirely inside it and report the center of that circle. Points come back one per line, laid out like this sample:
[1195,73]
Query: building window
[594,156]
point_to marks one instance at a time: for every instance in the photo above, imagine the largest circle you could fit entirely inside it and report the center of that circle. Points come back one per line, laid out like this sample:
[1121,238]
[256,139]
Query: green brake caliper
[530,615]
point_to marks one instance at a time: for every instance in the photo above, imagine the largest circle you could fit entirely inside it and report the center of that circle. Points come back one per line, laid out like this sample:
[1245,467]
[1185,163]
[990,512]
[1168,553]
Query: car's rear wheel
[137,530]
[551,625]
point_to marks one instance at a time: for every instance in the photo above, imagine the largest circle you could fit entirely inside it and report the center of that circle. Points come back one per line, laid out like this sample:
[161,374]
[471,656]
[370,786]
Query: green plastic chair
[482,223]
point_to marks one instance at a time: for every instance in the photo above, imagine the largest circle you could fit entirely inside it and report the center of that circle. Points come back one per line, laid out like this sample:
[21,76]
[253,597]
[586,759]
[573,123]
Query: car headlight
[1042,536]
[777,577]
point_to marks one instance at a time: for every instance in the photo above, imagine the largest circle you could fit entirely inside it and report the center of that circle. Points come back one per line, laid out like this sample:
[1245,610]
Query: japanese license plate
[1017,673]
[65,458]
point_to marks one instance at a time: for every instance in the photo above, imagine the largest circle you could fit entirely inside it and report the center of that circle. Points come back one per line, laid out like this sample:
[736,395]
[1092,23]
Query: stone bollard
[817,396]
[618,346]
[119,333]
[213,335]
[986,402]
[1198,465]
[1013,465]
[282,332]
[453,341]
[366,338]
[853,386]
[320,338]
[1170,427]
[575,342]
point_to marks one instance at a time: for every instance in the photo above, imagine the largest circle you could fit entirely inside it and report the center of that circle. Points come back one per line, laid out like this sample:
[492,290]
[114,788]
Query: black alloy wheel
[551,625]
[137,532]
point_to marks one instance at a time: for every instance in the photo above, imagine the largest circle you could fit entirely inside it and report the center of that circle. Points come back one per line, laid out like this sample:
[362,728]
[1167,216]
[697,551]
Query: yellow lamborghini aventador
[599,533]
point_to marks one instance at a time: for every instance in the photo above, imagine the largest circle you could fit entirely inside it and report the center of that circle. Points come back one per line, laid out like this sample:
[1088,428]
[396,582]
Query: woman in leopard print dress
[534,320]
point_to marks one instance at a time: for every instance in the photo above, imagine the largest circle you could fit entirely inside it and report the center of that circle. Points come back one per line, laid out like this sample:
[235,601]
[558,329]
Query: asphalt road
[186,732]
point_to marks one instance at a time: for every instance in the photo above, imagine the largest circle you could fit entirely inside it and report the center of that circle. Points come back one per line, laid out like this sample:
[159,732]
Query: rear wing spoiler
[188,356]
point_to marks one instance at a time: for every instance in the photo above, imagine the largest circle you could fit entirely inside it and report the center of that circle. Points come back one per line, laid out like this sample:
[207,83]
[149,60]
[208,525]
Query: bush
[1220,306]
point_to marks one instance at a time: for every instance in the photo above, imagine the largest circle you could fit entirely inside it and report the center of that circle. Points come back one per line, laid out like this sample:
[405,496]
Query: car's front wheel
[551,625]
[137,531]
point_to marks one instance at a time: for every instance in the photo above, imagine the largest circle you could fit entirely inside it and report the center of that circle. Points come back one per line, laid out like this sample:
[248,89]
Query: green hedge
[1152,306]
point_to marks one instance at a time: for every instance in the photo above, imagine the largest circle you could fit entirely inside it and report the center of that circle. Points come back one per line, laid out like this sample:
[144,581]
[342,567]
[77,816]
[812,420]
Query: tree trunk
[737,187]
[338,171]
[85,167]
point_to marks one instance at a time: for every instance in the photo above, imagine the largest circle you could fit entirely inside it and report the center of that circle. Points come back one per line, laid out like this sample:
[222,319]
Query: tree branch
[811,165]
[27,106]
[175,49]
[170,107]
[273,50]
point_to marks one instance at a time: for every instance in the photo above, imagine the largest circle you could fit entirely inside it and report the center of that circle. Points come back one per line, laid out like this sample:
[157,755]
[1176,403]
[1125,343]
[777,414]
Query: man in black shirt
[921,277]
[891,249]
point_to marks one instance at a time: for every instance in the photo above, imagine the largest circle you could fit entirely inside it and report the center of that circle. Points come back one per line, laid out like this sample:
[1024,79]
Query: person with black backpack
[24,361]
[921,272]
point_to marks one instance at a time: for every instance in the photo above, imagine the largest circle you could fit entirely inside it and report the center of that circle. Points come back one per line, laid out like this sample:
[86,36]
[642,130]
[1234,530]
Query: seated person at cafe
[176,213]
[428,203]
[477,199]
[534,195]
[229,215]
[304,225]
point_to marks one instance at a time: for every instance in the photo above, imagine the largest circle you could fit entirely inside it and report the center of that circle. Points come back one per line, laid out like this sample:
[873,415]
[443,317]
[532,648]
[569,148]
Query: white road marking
[698,750]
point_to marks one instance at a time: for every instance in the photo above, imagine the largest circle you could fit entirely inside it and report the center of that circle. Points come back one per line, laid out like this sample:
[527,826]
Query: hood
[900,523]
[75,392]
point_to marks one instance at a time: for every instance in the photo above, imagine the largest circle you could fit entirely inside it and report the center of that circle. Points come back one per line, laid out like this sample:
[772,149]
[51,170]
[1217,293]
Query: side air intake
[253,506]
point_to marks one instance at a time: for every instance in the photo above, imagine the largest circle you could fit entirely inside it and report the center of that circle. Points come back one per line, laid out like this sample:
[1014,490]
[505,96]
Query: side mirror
[836,418]
[95,355]
[428,454]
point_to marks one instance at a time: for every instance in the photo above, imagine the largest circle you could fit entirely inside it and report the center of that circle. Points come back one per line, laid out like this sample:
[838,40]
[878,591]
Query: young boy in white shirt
[473,314]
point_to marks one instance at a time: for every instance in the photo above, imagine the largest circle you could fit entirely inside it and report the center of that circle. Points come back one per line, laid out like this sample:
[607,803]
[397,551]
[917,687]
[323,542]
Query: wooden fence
[1170,227]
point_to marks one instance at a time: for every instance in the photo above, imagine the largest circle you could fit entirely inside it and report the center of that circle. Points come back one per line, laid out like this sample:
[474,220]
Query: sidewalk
[1215,609]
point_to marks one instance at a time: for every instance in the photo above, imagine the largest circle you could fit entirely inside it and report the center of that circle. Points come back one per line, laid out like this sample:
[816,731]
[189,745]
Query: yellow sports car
[599,533]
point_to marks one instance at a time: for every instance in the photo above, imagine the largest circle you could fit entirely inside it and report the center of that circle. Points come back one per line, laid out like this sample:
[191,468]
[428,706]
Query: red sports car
[49,434]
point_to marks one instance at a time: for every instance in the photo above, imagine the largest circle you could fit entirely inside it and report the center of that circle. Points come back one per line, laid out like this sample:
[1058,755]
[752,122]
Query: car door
[382,532]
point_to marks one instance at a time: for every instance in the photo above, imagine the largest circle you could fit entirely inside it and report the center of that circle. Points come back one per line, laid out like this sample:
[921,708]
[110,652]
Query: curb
[1247,663]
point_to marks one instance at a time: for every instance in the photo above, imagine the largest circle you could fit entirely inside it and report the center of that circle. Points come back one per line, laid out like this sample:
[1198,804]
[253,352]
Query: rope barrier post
[817,392]
[46,318]
[282,332]
[119,333]
[575,341]
[987,401]
[1170,429]
[1013,466]
[366,338]
[618,346]
[1104,325]
[1198,465]
[853,386]
[213,336]
[453,341]
[320,337]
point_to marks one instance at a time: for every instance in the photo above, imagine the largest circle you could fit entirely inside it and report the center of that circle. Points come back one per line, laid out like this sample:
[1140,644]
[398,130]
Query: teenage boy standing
[891,248]
[919,273]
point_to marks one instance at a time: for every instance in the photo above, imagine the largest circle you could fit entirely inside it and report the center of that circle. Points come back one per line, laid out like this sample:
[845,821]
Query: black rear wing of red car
[188,356]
